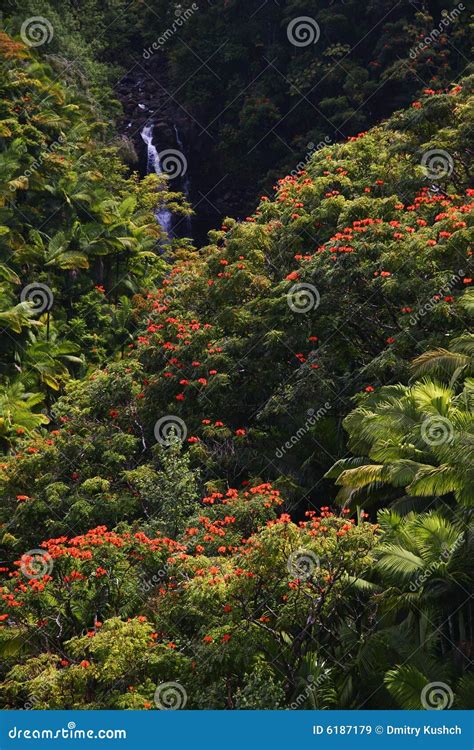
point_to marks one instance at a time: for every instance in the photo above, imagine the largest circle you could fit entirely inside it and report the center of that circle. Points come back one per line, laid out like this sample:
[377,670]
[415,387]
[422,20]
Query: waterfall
[163,216]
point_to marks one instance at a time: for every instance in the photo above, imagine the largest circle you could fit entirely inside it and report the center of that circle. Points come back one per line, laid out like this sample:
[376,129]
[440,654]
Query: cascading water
[163,216]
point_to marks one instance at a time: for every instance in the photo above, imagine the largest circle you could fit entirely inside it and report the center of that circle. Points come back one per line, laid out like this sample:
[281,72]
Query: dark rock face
[146,99]
[145,102]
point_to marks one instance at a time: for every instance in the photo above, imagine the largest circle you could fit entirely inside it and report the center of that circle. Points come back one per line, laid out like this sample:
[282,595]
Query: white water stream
[163,216]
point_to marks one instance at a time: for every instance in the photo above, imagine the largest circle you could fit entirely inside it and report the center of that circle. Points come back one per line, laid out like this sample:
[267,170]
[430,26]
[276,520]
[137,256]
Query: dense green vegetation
[254,92]
[78,237]
[237,476]
[265,89]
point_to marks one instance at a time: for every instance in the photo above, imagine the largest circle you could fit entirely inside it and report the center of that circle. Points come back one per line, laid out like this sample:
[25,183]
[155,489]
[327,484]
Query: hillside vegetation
[246,469]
